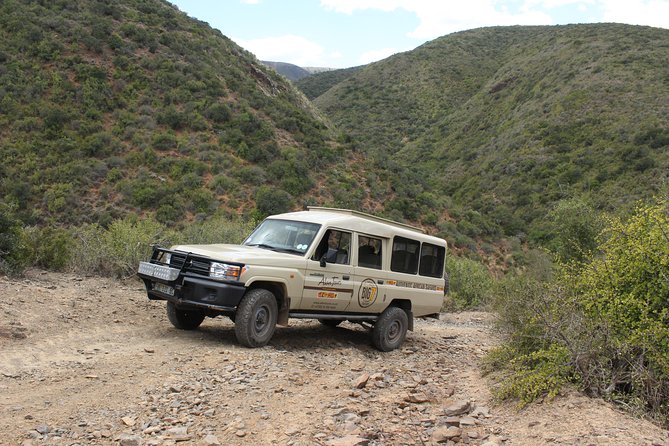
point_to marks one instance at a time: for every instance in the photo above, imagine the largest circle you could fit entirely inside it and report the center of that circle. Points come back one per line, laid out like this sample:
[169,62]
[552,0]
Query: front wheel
[184,319]
[390,329]
[255,320]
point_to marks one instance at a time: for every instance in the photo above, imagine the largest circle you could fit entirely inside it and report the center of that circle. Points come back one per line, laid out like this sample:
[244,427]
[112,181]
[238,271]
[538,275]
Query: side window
[405,255]
[335,246]
[369,252]
[432,260]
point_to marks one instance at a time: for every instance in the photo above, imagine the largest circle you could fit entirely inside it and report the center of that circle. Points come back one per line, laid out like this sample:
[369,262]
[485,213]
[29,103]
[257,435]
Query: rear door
[370,277]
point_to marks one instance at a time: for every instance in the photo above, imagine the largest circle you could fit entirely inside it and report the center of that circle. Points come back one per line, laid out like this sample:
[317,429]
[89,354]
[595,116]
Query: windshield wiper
[291,251]
[264,246]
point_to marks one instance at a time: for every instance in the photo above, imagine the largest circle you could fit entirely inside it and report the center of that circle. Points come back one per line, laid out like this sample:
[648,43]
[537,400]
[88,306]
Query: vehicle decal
[330,281]
[368,293]
[324,288]
[415,285]
[327,295]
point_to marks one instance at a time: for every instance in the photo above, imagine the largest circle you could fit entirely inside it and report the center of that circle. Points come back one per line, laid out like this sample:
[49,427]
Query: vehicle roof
[359,222]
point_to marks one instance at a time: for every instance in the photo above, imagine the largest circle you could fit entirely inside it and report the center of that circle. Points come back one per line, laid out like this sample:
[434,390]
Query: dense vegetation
[482,132]
[317,84]
[599,320]
[109,109]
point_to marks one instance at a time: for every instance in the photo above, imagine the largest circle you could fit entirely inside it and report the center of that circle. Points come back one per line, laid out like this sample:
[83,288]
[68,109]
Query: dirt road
[90,361]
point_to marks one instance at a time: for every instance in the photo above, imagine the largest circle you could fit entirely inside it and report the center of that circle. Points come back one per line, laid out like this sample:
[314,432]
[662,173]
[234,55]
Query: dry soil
[91,361]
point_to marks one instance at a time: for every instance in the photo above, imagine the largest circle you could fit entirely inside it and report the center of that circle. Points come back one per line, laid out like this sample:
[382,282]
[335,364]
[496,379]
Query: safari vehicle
[332,265]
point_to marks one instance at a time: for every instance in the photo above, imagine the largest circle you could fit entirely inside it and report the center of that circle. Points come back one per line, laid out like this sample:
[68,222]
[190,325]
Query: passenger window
[334,246]
[369,252]
[432,260]
[405,255]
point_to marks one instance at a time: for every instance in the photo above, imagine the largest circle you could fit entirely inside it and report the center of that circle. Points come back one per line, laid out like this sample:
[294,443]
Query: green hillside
[483,131]
[318,83]
[110,108]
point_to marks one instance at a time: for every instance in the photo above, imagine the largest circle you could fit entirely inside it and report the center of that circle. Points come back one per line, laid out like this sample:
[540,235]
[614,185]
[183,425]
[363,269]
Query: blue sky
[346,33]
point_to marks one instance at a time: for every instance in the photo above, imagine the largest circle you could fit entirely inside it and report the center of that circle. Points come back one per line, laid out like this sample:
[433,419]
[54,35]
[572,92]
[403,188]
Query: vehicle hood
[239,253]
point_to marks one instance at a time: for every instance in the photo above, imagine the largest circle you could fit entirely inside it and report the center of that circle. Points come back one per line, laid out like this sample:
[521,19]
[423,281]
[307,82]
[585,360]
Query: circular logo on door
[368,292]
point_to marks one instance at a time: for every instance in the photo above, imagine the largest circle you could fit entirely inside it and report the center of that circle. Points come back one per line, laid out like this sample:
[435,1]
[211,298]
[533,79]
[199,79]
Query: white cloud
[437,18]
[350,6]
[374,55]
[288,48]
[637,12]
[444,18]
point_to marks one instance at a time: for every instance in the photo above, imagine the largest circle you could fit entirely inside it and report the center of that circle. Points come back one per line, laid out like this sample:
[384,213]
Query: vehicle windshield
[293,237]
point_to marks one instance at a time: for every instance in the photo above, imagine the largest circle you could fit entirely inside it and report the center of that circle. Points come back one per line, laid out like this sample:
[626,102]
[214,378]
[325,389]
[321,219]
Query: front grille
[193,265]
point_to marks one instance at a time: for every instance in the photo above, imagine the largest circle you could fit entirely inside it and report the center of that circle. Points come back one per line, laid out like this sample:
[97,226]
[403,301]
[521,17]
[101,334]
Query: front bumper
[187,289]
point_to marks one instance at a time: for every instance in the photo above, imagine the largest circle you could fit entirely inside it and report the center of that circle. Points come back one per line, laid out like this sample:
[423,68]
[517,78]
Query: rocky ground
[90,361]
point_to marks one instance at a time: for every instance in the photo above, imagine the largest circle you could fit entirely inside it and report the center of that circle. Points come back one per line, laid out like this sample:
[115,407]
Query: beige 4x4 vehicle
[327,264]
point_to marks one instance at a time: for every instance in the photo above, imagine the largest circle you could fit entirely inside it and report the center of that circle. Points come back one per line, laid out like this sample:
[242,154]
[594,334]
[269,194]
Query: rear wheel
[184,319]
[255,320]
[390,329]
[332,323]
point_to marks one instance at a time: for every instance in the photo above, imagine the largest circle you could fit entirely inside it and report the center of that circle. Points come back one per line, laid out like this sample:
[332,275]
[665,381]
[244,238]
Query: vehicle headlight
[224,271]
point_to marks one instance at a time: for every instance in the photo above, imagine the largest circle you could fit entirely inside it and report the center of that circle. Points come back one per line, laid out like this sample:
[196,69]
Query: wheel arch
[279,290]
[404,304]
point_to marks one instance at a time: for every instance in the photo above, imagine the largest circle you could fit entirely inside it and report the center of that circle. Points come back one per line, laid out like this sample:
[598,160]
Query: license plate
[165,289]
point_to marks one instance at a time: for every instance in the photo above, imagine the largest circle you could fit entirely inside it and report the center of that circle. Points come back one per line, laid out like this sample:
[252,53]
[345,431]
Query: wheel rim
[261,319]
[394,331]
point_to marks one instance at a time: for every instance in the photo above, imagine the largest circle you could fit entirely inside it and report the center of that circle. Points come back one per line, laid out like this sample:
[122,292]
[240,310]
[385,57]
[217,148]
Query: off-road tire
[184,319]
[332,323]
[256,316]
[390,329]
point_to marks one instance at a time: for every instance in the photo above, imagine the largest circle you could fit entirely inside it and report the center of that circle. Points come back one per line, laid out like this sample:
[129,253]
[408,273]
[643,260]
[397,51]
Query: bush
[574,225]
[117,251]
[532,375]
[625,292]
[271,201]
[608,311]
[218,229]
[12,255]
[49,248]
[470,283]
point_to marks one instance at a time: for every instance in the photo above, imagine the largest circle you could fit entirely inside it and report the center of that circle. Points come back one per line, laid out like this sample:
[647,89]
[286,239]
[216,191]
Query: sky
[347,33]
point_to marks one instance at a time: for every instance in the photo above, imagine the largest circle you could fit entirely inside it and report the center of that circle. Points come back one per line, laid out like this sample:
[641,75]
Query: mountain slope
[318,83]
[498,124]
[288,70]
[131,106]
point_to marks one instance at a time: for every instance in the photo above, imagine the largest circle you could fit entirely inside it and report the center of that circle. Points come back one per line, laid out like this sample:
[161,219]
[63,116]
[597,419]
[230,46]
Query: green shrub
[272,201]
[13,258]
[470,283]
[609,312]
[625,292]
[217,229]
[48,248]
[574,228]
[117,250]
[532,375]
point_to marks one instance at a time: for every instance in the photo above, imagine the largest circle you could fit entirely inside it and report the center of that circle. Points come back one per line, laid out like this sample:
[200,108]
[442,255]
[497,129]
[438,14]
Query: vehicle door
[328,283]
[370,276]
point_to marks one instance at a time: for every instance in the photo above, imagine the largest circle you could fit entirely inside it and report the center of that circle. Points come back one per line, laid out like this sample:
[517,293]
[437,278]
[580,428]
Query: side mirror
[323,262]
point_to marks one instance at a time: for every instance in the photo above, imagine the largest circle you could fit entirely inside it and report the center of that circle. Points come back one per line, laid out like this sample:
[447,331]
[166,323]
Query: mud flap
[282,317]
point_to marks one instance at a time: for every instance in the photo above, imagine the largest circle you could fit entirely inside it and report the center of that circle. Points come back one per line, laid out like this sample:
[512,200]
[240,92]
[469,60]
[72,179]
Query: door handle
[380,282]
[346,277]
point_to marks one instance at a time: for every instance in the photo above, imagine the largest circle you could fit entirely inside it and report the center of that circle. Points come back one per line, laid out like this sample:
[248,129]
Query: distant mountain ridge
[295,72]
[483,131]
[288,70]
